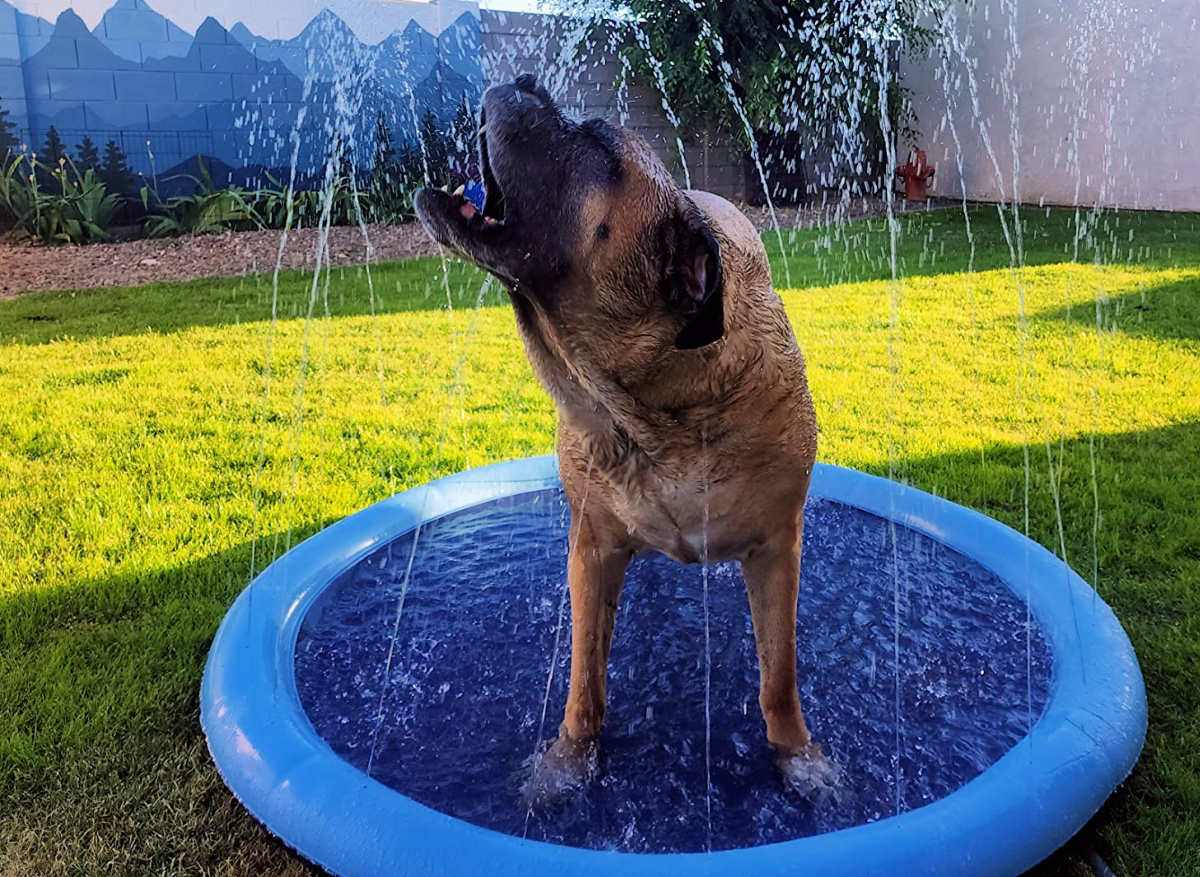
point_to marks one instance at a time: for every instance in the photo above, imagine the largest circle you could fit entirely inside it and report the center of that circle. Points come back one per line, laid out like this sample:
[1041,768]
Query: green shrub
[18,190]
[210,209]
[81,211]
[271,204]
[207,209]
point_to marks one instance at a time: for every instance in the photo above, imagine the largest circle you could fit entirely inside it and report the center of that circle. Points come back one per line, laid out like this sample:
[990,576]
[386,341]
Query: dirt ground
[24,268]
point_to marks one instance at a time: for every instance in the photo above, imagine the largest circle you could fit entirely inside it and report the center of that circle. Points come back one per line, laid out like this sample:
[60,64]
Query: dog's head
[582,218]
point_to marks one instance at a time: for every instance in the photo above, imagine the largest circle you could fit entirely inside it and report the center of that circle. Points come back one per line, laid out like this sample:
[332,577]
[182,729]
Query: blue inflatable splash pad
[376,696]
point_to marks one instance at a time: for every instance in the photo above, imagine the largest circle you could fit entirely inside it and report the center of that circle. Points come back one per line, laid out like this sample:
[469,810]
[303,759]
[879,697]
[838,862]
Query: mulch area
[25,268]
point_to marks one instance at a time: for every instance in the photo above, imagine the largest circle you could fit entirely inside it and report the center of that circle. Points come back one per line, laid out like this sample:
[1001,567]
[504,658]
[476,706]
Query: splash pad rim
[1011,816]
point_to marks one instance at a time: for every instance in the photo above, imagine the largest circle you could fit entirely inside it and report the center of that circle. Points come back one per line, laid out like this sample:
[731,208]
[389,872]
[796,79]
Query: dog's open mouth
[493,213]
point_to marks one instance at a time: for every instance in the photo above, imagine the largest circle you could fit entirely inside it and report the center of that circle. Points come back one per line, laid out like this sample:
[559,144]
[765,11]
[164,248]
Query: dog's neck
[620,413]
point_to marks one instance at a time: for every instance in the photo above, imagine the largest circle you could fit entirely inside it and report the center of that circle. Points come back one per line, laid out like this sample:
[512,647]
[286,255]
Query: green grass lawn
[159,444]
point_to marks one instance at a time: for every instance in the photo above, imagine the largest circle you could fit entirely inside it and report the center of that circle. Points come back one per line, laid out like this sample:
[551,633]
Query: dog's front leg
[772,573]
[595,575]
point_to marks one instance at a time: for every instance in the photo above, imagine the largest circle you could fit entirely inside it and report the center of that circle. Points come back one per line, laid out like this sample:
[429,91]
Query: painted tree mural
[8,133]
[86,154]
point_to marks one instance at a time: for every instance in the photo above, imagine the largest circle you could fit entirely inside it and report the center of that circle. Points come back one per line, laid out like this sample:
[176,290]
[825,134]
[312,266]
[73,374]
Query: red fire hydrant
[916,175]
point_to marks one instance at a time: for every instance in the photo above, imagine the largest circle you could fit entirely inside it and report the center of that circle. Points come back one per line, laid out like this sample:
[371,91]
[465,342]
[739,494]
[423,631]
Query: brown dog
[685,421]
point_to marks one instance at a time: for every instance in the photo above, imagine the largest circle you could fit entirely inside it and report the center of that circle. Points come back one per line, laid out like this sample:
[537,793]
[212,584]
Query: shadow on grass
[930,244]
[1168,311]
[422,284]
[120,659]
[134,642]
[103,765]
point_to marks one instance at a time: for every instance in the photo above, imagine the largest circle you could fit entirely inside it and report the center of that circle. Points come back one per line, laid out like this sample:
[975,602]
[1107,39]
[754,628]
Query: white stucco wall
[1106,96]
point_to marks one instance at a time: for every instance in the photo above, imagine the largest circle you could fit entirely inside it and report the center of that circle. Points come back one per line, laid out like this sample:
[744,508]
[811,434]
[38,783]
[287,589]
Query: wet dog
[685,421]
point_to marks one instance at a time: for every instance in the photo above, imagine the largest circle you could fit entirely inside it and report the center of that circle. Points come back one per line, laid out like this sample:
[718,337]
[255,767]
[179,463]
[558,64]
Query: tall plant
[18,190]
[207,209]
[76,207]
[819,70]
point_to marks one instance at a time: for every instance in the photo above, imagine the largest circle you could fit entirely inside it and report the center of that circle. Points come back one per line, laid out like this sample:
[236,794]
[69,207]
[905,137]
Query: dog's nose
[526,82]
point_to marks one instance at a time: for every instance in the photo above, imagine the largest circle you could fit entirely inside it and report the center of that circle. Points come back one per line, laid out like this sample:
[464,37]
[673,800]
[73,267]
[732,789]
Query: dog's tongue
[467,209]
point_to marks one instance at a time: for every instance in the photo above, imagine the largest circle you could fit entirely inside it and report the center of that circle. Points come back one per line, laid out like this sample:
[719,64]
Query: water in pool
[463,705]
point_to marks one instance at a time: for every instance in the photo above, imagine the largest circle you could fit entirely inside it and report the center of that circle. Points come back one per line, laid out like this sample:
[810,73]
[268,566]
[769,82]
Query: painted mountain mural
[131,24]
[166,94]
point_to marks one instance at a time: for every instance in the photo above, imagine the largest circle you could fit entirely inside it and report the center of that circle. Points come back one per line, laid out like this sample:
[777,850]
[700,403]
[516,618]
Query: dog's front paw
[563,769]
[811,773]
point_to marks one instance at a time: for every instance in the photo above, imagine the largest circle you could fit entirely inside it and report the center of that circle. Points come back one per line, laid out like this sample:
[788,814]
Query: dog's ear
[695,287]
[697,268]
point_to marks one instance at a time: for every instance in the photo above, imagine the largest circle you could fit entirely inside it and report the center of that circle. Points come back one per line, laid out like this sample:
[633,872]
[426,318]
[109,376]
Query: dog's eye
[602,231]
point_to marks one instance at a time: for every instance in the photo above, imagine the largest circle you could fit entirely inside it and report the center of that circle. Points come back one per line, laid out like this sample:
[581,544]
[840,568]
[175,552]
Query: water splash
[562,52]
[468,694]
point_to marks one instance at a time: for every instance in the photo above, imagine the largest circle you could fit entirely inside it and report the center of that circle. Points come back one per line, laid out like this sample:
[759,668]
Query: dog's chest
[687,519]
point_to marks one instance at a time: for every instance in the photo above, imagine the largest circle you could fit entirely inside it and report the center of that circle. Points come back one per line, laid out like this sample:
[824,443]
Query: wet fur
[685,421]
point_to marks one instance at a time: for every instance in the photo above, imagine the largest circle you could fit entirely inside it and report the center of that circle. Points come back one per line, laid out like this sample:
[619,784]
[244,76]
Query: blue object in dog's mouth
[474,192]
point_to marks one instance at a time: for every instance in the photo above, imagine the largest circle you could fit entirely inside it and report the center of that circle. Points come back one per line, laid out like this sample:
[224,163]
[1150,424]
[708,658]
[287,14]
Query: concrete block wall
[173,80]
[126,70]
[12,81]
[1107,103]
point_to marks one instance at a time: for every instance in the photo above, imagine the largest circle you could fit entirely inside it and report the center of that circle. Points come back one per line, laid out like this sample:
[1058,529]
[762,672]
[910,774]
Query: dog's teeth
[483,129]
[446,189]
[459,191]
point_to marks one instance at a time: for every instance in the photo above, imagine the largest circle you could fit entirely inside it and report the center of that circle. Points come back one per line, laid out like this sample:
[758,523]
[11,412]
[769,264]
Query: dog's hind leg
[772,573]
[595,575]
